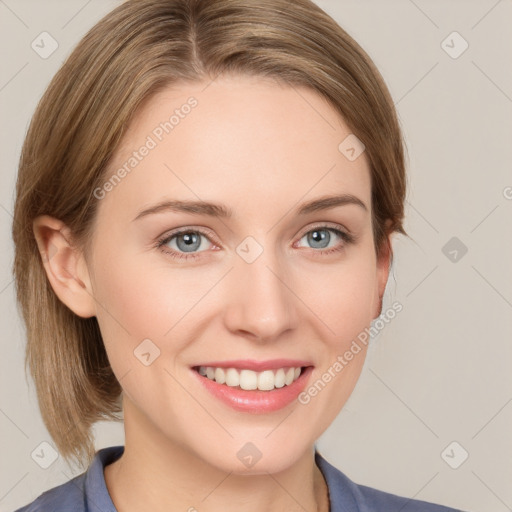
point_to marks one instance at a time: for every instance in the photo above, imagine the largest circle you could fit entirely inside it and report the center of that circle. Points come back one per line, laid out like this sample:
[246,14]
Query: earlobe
[64,265]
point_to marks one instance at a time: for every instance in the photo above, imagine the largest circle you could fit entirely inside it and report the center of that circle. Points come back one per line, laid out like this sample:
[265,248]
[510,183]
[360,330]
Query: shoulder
[83,493]
[344,494]
[65,497]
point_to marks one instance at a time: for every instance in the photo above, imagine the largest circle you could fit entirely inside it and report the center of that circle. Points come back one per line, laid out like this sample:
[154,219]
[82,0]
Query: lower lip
[257,402]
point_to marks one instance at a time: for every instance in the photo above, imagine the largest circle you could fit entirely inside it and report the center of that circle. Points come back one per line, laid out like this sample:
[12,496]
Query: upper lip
[257,366]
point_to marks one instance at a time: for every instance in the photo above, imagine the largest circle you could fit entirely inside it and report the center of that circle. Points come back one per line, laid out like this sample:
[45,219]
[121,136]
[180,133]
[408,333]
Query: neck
[155,473]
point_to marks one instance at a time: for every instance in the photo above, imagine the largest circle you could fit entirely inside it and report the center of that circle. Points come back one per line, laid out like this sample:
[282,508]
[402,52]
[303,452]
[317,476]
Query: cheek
[343,302]
[139,301]
[342,296]
[132,305]
[138,309]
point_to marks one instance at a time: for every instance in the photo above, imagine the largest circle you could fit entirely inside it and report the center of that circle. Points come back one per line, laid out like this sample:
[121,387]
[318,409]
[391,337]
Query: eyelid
[344,233]
[211,235]
[162,240]
[208,233]
[330,225]
[348,238]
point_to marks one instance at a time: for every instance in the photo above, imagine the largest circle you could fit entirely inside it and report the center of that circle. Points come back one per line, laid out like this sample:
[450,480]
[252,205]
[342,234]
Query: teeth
[266,380]
[280,378]
[220,375]
[232,377]
[248,380]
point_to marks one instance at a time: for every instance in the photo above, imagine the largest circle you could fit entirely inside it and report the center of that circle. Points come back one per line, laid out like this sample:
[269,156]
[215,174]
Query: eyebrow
[222,211]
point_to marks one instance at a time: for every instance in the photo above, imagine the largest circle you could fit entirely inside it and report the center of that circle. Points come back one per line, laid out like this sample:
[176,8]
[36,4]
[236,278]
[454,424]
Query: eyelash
[346,237]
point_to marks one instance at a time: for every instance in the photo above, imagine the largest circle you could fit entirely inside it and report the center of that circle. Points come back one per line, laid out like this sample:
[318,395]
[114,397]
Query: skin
[262,149]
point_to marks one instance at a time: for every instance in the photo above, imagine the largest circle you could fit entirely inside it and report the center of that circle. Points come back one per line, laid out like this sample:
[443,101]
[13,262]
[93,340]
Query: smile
[256,387]
[248,380]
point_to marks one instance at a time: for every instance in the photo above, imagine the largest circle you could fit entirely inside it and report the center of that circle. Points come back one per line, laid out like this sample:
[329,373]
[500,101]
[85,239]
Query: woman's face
[267,283]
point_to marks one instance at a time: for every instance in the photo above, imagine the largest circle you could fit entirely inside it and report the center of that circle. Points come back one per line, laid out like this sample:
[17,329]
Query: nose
[261,304]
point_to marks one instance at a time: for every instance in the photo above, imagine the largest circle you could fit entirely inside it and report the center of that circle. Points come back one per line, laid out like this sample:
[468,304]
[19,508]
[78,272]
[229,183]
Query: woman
[205,204]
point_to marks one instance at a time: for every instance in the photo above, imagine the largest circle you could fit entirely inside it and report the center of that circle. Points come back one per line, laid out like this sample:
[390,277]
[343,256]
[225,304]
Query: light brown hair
[134,52]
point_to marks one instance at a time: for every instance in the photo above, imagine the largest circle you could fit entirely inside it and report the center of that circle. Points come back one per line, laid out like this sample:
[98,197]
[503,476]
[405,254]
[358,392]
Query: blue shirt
[88,492]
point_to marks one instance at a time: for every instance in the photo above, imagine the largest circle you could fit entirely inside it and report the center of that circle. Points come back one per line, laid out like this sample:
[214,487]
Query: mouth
[251,380]
[263,388]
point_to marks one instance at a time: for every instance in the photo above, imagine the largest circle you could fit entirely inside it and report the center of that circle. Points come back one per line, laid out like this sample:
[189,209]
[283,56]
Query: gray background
[441,370]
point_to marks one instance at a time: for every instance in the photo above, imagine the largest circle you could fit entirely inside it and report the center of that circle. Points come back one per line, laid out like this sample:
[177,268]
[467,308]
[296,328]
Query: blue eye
[320,237]
[186,243]
[187,240]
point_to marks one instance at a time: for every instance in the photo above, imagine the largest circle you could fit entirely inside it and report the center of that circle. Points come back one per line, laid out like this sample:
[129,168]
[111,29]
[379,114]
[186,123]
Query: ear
[383,266]
[65,265]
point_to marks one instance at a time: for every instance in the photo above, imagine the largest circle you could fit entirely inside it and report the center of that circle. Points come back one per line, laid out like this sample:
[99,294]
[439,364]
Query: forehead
[236,138]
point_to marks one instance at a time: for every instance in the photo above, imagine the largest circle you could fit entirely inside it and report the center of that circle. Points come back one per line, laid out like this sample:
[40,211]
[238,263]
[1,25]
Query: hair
[135,51]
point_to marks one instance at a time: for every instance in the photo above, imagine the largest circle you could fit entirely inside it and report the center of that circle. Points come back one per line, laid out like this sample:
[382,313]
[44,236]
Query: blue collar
[88,491]
[98,498]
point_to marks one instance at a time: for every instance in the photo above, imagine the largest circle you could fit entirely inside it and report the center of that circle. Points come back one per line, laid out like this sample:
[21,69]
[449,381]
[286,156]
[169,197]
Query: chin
[257,457]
